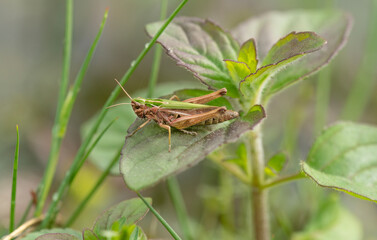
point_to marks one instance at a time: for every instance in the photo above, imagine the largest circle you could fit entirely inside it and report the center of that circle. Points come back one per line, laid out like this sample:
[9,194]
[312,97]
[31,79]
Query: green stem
[159,217]
[14,183]
[282,180]
[114,94]
[179,205]
[259,195]
[66,56]
[56,140]
[157,55]
[84,202]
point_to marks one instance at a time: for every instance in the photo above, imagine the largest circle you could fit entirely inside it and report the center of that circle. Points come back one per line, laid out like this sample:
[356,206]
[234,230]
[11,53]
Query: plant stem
[259,195]
[56,141]
[179,205]
[114,94]
[14,183]
[282,180]
[159,217]
[157,55]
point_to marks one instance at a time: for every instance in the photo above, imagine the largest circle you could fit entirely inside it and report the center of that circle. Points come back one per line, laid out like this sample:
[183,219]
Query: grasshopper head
[138,108]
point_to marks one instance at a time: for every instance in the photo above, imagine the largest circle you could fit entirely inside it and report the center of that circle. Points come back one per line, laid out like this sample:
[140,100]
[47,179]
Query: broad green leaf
[89,235]
[125,213]
[331,221]
[146,159]
[200,46]
[344,157]
[332,25]
[293,44]
[248,55]
[109,146]
[287,50]
[54,234]
[238,71]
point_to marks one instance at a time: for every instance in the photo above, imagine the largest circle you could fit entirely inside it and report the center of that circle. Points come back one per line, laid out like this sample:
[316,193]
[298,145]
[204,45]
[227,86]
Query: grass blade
[60,128]
[77,161]
[84,202]
[160,218]
[179,205]
[100,180]
[14,183]
[157,55]
[66,56]
[44,186]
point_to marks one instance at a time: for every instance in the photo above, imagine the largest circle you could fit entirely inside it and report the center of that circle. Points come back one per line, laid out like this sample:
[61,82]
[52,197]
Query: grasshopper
[172,112]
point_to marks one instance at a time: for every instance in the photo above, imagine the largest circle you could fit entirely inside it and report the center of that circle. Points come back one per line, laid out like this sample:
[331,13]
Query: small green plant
[254,62]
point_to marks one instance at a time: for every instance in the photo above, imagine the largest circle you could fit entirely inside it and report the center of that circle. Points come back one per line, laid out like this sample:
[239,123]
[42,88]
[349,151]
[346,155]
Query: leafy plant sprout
[253,62]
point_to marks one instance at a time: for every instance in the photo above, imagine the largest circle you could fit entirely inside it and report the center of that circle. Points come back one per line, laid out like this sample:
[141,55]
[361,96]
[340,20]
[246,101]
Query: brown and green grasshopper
[169,113]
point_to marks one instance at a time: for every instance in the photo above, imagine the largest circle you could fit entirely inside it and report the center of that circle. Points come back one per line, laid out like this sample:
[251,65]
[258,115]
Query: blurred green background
[31,43]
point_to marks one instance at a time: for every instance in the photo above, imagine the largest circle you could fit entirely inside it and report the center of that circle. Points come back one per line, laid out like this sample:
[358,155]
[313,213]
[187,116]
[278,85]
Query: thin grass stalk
[56,140]
[173,185]
[160,218]
[157,55]
[50,215]
[179,205]
[99,182]
[14,183]
[85,201]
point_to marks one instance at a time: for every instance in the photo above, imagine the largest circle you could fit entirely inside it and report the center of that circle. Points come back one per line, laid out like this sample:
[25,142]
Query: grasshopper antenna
[120,85]
[117,105]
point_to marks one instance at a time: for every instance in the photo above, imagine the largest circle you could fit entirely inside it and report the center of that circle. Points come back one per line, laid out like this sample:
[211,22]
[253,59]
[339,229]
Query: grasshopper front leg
[167,127]
[140,127]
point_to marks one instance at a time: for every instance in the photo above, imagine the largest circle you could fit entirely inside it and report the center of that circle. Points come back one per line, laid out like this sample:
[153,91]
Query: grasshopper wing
[217,115]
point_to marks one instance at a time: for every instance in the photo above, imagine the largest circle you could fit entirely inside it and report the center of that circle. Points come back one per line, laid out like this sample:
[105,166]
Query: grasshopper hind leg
[192,133]
[167,127]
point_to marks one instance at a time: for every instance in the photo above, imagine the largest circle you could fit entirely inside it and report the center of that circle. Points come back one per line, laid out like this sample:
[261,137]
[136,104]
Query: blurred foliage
[30,66]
